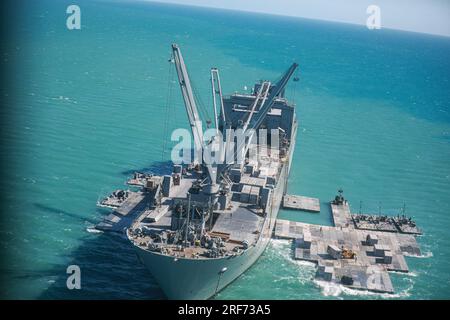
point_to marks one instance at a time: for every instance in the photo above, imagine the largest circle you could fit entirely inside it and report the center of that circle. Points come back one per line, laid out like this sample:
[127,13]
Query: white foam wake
[93,230]
[336,290]
[425,255]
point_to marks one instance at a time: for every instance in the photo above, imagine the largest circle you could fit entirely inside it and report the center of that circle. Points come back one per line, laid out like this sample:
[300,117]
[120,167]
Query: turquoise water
[87,108]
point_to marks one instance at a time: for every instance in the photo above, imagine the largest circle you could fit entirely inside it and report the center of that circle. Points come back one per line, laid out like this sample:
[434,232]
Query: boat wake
[93,230]
[338,290]
[425,255]
[304,270]
[284,248]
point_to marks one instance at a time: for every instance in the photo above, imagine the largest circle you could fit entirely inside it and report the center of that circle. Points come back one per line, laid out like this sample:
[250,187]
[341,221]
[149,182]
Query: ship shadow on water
[109,268]
[109,265]
[73,216]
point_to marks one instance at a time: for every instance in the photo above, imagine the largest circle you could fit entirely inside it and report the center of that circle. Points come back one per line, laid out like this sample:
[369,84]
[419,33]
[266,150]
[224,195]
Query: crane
[255,120]
[192,111]
[265,99]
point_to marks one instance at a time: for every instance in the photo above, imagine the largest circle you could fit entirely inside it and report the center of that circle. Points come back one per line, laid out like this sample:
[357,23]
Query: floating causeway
[357,258]
[301,203]
[122,217]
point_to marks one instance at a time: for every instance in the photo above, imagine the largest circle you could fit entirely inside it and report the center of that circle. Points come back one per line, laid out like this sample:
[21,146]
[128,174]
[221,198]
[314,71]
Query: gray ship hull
[198,279]
[190,279]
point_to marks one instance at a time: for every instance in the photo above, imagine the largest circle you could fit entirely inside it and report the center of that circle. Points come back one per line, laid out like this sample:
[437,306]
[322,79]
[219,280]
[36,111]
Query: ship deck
[241,224]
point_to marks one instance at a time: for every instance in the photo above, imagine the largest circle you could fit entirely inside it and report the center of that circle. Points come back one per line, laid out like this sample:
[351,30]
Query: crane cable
[200,104]
[168,107]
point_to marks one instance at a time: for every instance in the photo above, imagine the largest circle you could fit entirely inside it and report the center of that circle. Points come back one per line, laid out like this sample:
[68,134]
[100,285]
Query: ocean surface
[84,109]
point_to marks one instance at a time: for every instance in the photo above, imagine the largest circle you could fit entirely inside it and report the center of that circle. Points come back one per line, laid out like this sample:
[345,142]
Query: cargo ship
[199,228]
